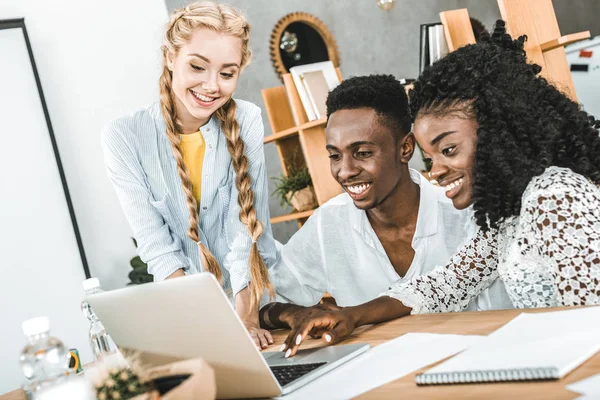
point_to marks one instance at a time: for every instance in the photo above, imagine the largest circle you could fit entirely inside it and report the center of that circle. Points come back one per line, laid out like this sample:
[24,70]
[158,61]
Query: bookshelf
[299,142]
[537,20]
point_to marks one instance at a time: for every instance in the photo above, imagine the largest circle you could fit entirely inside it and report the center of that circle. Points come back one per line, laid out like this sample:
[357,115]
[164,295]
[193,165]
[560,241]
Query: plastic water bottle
[103,347]
[45,358]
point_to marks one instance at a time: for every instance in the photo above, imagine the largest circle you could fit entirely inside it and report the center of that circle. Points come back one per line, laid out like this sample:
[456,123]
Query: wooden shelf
[544,45]
[300,143]
[294,130]
[565,40]
[291,217]
[457,28]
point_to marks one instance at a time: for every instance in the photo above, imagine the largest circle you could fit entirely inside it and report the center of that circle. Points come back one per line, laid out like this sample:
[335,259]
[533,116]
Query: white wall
[96,61]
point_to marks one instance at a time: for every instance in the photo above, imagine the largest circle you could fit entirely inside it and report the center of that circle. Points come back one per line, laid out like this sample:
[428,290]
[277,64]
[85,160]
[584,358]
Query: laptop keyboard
[288,373]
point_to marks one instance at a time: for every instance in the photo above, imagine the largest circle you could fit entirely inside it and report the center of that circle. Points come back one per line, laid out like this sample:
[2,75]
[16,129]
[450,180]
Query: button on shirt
[337,251]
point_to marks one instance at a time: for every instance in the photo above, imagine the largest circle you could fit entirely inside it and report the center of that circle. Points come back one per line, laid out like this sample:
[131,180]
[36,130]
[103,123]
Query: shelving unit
[537,20]
[299,142]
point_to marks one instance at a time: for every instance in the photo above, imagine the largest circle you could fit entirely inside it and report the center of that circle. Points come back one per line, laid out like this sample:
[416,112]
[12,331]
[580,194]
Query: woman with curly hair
[527,158]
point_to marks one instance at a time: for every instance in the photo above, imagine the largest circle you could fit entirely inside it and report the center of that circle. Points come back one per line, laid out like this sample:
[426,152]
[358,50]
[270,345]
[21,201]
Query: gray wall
[370,40]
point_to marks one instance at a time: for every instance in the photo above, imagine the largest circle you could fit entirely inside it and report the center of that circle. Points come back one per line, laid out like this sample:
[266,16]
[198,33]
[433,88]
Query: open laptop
[192,317]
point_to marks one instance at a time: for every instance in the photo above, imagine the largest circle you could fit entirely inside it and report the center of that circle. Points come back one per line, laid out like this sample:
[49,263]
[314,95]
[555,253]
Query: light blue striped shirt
[142,168]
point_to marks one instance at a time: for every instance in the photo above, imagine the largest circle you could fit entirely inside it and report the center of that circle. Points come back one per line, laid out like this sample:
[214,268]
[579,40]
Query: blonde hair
[223,19]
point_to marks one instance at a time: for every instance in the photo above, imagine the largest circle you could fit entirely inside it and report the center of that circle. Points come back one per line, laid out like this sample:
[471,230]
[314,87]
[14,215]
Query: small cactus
[122,384]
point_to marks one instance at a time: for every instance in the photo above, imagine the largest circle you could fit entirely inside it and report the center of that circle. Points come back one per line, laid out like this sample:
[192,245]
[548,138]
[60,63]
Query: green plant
[139,274]
[286,186]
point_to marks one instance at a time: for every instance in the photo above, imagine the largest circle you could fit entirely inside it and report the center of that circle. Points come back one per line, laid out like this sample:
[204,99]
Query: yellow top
[192,148]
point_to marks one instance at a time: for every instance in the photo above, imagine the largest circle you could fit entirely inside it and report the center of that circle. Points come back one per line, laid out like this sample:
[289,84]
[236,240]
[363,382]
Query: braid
[259,276]
[170,117]
[223,19]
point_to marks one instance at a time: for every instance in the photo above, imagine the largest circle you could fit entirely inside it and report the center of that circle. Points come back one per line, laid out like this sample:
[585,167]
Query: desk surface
[475,323]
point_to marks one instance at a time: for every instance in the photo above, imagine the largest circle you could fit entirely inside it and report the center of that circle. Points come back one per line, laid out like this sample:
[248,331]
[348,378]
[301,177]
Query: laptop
[192,317]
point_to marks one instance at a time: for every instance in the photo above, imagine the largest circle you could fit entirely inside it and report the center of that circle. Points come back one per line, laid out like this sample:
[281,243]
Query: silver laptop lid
[186,318]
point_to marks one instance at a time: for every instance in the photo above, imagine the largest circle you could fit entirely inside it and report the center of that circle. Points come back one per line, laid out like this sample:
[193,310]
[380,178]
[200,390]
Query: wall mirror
[300,38]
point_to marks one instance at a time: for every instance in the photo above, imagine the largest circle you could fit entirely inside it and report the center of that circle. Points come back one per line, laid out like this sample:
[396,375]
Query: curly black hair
[383,93]
[525,123]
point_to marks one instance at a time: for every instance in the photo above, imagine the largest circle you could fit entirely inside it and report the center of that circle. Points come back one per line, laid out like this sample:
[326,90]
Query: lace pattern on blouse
[547,256]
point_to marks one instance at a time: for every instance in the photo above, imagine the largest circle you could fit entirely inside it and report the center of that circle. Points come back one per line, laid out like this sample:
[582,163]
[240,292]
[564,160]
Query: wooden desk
[14,395]
[475,323]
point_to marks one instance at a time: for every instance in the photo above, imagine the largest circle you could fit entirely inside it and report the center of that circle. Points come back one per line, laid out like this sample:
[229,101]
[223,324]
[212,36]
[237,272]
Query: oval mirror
[301,38]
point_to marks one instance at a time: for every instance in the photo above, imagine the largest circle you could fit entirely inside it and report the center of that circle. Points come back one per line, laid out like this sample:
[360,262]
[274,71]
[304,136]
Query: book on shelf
[432,44]
[317,89]
[314,82]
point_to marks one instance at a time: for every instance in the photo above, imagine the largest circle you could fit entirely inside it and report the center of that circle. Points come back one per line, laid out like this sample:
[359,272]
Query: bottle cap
[35,326]
[91,283]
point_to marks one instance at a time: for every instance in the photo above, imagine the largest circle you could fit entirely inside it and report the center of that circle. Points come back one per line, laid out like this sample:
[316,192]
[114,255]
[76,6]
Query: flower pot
[154,395]
[304,199]
[188,379]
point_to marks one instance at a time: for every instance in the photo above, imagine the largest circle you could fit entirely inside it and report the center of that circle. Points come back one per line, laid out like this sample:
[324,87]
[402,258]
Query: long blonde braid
[170,115]
[224,19]
[259,276]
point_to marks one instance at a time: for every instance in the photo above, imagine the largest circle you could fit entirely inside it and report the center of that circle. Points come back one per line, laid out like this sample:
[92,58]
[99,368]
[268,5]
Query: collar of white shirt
[427,221]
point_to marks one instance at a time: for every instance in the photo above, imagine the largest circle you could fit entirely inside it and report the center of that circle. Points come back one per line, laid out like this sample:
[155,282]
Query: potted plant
[181,380]
[296,189]
[139,273]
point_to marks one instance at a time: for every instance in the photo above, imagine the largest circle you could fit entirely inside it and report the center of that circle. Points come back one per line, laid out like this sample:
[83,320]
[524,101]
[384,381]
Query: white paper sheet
[383,364]
[559,339]
[588,386]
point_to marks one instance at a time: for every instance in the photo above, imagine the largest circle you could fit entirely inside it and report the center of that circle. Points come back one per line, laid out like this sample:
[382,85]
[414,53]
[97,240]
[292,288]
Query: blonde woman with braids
[190,171]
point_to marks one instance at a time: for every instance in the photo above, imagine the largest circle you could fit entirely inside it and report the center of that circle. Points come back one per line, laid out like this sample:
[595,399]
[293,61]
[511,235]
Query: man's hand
[337,324]
[293,316]
[331,325]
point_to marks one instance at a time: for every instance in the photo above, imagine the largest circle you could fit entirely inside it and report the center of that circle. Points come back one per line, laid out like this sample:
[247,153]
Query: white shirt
[337,251]
[547,256]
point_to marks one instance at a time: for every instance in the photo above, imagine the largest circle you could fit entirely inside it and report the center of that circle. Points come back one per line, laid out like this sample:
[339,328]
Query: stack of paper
[530,347]
[589,388]
[383,364]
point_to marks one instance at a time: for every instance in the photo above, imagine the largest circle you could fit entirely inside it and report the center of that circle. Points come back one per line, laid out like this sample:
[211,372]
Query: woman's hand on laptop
[262,337]
[249,316]
[330,325]
[336,325]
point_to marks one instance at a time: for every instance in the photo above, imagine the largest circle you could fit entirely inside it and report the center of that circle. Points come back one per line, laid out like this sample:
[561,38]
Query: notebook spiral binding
[507,375]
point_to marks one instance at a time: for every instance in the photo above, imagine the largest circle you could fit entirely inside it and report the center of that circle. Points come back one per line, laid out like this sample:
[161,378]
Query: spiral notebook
[542,346]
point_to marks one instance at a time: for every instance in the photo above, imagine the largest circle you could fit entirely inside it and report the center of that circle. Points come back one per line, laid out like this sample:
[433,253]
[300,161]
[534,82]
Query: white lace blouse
[548,255]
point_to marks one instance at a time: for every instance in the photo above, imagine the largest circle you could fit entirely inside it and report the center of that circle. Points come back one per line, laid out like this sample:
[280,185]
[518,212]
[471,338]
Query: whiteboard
[42,262]
[586,80]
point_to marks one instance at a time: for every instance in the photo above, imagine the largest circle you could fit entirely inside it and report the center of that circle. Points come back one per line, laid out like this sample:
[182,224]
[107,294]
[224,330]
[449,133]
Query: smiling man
[390,223]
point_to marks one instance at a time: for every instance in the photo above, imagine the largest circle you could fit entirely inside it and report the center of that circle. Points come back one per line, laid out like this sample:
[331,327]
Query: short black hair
[383,93]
